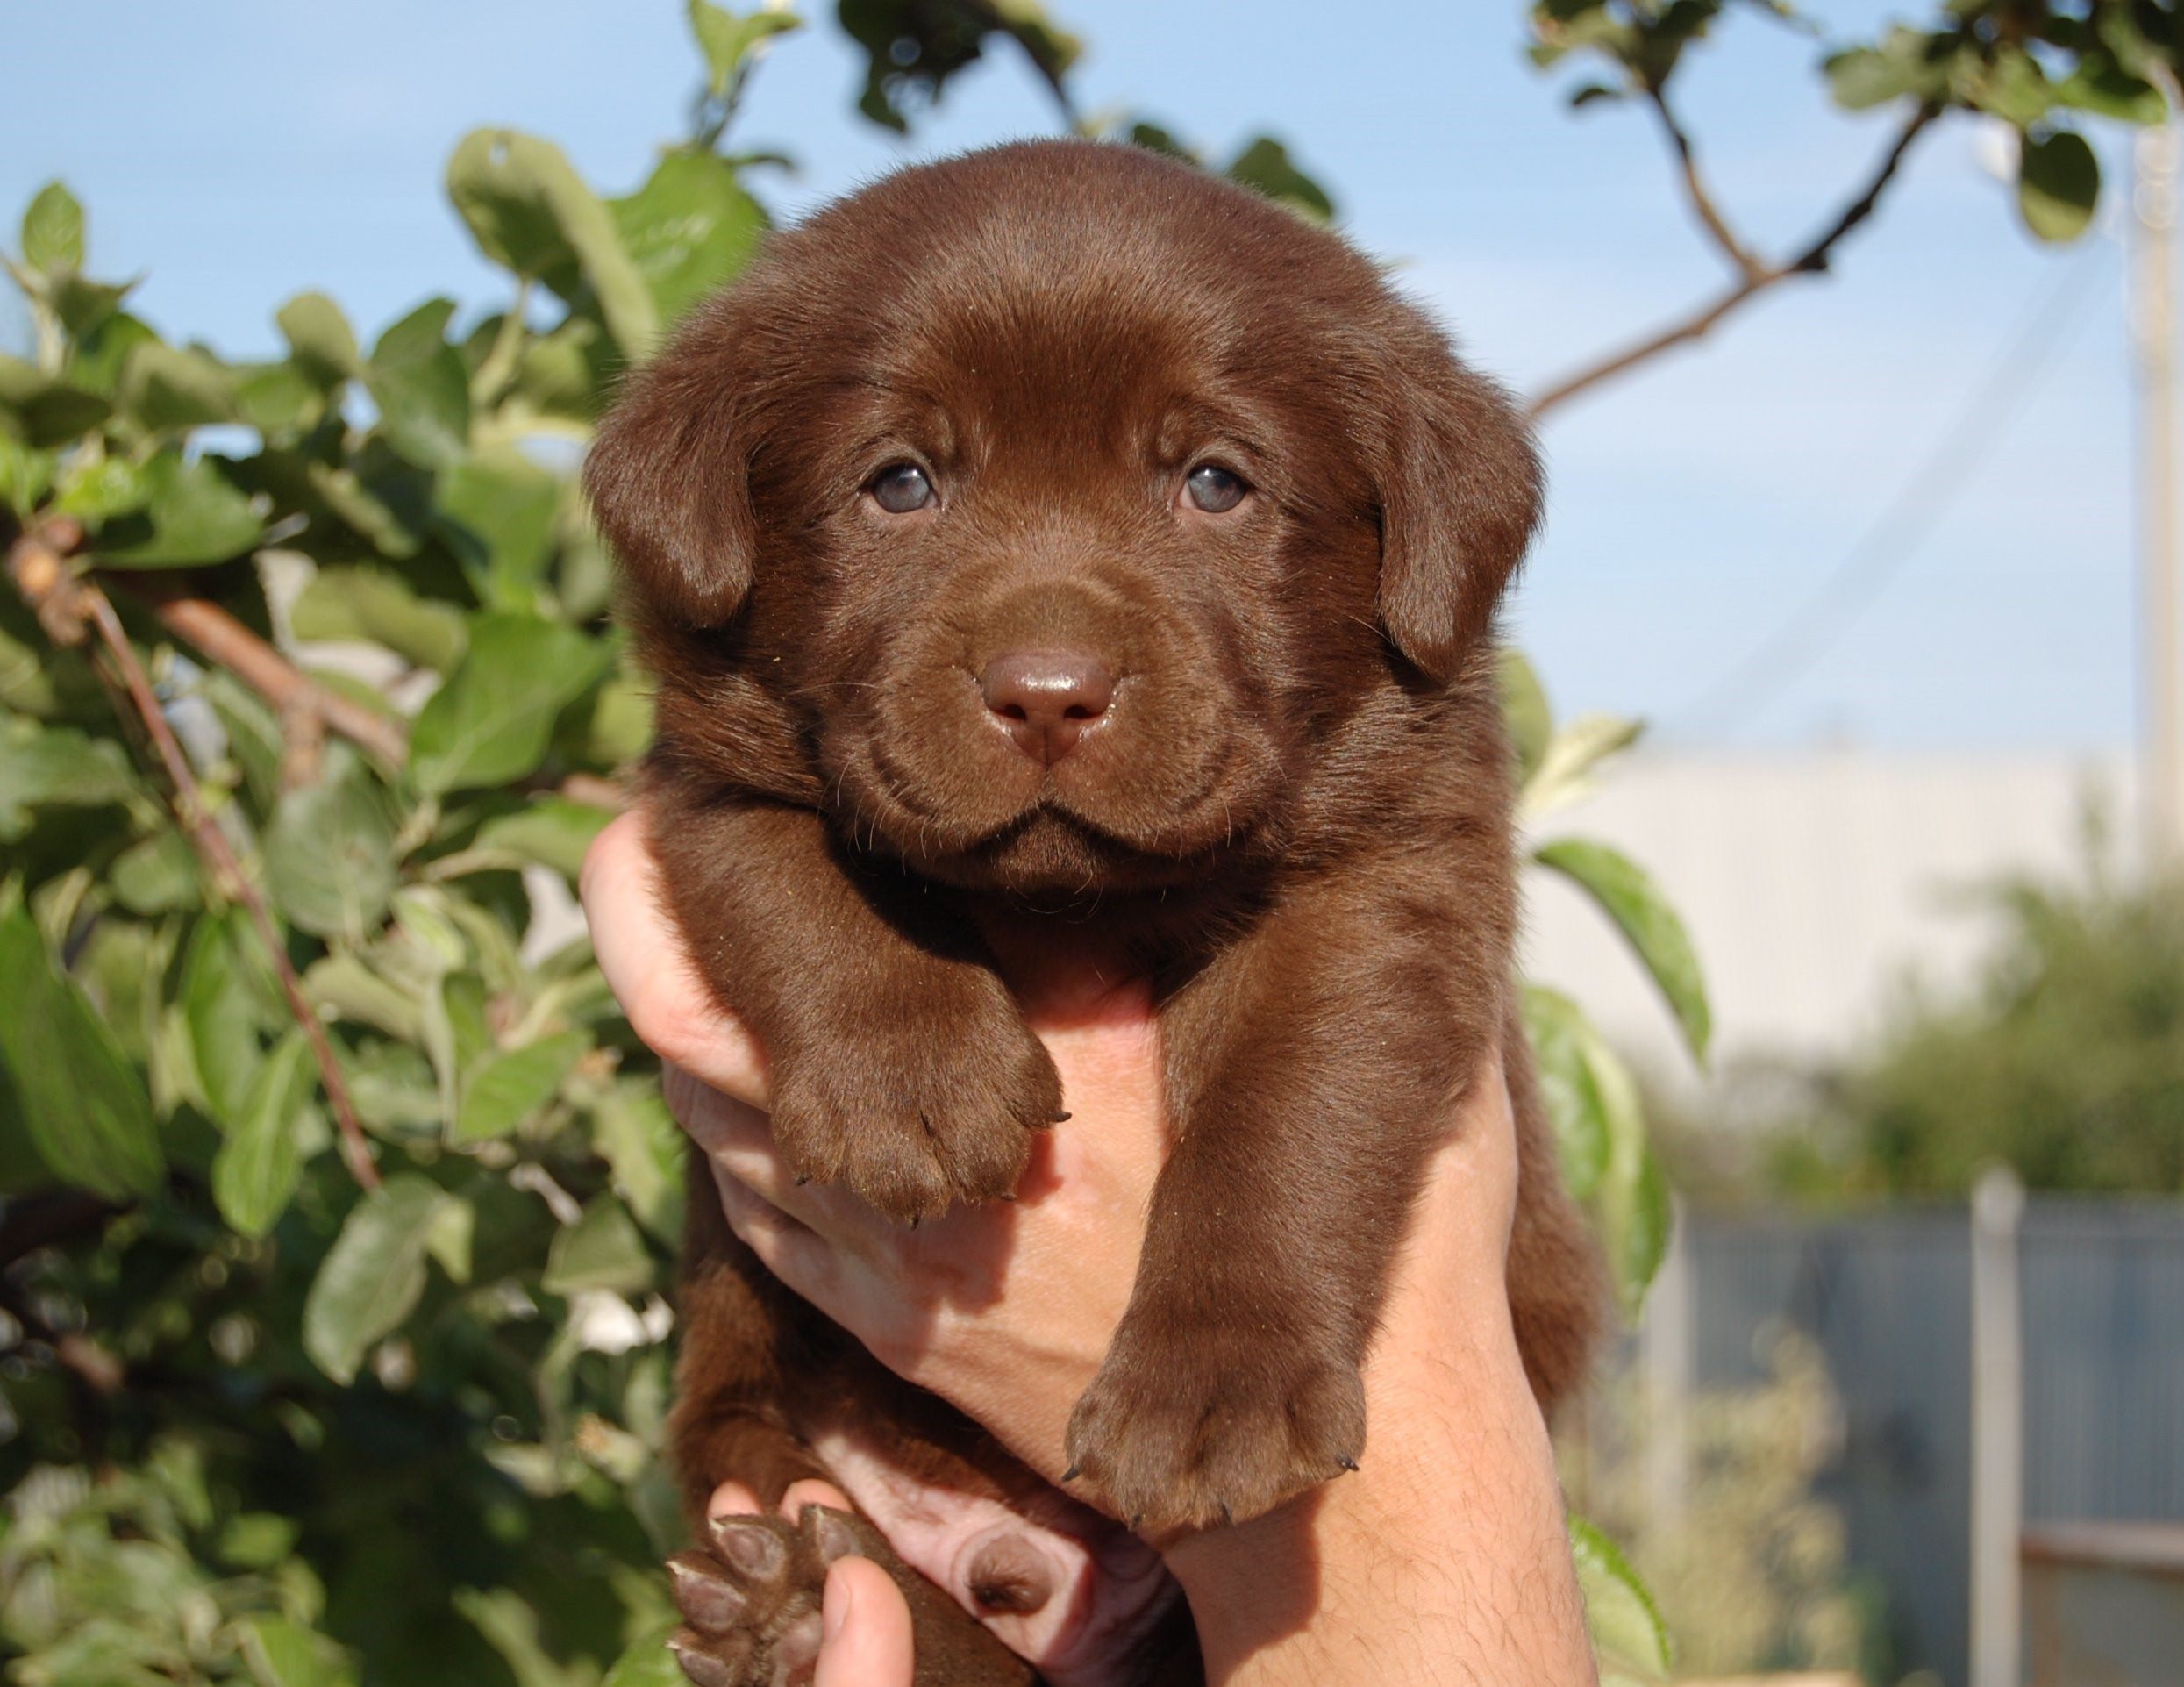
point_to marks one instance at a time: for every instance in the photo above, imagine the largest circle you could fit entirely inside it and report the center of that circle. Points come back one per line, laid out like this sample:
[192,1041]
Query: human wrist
[1415,1563]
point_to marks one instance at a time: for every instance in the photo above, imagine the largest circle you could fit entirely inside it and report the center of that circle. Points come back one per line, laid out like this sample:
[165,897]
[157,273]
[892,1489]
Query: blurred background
[1880,551]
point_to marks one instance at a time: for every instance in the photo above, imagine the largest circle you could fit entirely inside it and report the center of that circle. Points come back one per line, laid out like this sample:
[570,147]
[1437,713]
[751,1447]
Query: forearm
[1443,1559]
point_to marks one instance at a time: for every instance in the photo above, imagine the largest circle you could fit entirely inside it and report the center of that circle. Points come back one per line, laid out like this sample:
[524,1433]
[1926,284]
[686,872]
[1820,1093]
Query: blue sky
[238,151]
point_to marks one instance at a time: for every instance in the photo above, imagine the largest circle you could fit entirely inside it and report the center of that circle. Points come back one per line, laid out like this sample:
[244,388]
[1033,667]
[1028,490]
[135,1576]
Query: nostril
[1046,699]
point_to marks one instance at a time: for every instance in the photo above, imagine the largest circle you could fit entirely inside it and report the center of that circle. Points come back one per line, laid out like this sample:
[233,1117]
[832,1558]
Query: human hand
[1005,1311]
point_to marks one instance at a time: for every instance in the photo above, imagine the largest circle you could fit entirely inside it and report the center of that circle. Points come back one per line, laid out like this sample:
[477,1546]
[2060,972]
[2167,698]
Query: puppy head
[1066,499]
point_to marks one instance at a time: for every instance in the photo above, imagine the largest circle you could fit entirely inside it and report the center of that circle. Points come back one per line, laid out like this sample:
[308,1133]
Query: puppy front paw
[1187,1426]
[918,1108]
[751,1601]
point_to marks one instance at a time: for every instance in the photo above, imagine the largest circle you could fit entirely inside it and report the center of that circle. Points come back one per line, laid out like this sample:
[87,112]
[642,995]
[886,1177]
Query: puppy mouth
[1220,807]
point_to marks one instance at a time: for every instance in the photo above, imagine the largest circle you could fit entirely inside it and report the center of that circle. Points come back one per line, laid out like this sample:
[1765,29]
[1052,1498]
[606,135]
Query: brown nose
[1046,699]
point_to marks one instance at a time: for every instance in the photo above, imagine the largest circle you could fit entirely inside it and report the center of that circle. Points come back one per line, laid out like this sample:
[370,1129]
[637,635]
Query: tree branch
[1811,260]
[223,640]
[66,605]
[1746,262]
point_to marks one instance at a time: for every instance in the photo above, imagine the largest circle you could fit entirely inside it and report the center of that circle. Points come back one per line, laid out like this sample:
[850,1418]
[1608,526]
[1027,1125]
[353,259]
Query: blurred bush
[1747,1564]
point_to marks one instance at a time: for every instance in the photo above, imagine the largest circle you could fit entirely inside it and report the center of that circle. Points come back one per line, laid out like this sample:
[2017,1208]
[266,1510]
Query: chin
[1048,856]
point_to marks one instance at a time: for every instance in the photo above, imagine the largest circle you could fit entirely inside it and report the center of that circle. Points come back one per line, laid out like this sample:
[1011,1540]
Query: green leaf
[509,1088]
[26,475]
[1905,64]
[2059,185]
[1525,710]
[158,876]
[1560,1036]
[49,410]
[1655,932]
[491,722]
[421,387]
[727,38]
[1266,165]
[258,1167]
[372,1276]
[194,515]
[375,606]
[53,230]
[82,1103]
[1625,1625]
[602,1250]
[226,1003]
[552,831]
[1600,1131]
[57,765]
[329,851]
[166,388]
[2103,87]
[95,491]
[282,1655]
[496,512]
[1564,772]
[529,211]
[646,1663]
[320,339]
[638,1137]
[691,228]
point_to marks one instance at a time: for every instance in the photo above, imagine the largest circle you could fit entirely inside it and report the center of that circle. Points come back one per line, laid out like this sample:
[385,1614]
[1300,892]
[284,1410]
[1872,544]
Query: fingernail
[834,1605]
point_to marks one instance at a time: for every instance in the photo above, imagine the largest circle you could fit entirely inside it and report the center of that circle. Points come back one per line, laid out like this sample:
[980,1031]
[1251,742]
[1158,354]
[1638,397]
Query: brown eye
[1213,488]
[900,488]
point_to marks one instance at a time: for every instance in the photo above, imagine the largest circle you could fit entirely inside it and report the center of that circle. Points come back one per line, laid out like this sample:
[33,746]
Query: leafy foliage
[2066,1060]
[340,1202]
[2043,67]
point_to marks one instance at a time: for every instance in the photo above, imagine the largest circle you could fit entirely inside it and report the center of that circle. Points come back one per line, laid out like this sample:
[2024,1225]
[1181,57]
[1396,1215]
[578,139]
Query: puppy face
[1060,502]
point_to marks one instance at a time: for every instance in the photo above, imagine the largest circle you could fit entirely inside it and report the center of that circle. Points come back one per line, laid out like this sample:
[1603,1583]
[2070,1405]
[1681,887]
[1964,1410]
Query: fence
[2099,1318]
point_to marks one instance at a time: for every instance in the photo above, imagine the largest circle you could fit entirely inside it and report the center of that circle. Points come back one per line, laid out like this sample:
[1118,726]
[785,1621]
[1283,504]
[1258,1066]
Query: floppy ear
[669,474]
[1460,490]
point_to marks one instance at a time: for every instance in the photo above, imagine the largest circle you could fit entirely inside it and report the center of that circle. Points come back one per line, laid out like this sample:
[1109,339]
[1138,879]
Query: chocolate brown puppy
[1056,550]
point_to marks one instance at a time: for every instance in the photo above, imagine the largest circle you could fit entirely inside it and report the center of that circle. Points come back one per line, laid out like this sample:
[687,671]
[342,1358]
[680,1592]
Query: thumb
[866,1628]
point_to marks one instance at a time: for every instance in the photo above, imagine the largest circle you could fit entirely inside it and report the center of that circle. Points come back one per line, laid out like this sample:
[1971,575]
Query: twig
[293,693]
[1747,262]
[1812,260]
[37,560]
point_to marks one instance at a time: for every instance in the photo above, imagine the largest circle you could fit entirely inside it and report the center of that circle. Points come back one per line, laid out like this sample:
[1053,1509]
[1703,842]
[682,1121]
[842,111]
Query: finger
[866,1627]
[733,1499]
[812,1491]
[649,967]
[801,1260]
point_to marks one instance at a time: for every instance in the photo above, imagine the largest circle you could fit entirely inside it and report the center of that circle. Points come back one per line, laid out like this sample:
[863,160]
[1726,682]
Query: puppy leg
[1312,1070]
[900,1066]
[750,1590]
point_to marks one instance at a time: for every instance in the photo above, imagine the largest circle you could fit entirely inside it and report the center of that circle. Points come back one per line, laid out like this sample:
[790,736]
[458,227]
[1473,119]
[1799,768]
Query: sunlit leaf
[511,1086]
[1649,923]
[53,230]
[492,720]
[82,1103]
[1626,1628]
[372,1276]
[529,210]
[602,1250]
[256,1171]
[2059,185]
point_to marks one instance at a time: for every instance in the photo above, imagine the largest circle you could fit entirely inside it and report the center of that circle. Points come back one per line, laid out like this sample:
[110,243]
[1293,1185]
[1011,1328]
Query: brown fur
[1294,820]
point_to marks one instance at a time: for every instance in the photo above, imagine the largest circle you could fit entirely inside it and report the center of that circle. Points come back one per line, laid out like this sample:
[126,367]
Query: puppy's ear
[670,475]
[1461,491]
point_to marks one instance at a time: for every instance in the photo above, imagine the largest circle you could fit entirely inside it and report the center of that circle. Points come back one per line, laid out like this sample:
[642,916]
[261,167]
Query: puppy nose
[1046,699]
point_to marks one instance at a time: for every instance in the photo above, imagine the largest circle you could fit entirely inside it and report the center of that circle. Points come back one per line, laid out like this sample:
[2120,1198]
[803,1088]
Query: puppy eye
[1213,488]
[900,488]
